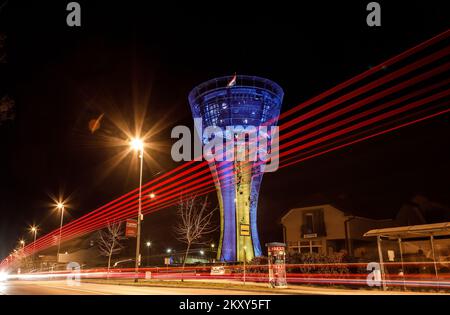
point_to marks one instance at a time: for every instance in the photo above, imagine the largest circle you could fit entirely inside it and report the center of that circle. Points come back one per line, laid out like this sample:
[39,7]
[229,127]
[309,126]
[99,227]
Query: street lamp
[212,252]
[34,229]
[22,242]
[169,250]
[149,245]
[152,195]
[138,145]
[60,206]
[202,252]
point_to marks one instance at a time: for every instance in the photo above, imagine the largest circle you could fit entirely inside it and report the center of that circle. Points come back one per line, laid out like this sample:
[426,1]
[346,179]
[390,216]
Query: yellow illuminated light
[137,144]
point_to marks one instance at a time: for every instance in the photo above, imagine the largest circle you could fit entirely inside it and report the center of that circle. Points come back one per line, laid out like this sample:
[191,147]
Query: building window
[313,224]
[306,246]
[309,223]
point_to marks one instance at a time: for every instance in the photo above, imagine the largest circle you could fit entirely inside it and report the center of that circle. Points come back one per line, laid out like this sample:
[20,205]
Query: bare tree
[194,223]
[109,241]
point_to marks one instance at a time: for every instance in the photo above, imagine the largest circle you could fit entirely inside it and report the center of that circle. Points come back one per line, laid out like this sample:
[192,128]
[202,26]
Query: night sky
[128,58]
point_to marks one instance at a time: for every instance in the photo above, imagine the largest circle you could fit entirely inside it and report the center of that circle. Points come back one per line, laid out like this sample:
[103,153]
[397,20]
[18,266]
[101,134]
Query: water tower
[237,101]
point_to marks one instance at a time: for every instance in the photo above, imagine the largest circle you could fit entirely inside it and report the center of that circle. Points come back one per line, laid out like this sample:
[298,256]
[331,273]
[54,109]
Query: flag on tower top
[232,81]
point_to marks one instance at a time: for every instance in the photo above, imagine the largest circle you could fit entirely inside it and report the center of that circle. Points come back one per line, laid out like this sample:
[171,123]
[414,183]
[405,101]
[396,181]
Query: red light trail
[187,177]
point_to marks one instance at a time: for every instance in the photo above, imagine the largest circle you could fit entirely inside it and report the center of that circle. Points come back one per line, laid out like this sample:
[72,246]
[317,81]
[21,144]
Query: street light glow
[202,252]
[152,195]
[137,144]
[60,206]
[149,244]
[3,276]
[169,250]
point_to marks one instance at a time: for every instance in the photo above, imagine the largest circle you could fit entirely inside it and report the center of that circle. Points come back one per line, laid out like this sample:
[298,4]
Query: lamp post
[149,245]
[212,252]
[167,260]
[33,230]
[137,145]
[60,207]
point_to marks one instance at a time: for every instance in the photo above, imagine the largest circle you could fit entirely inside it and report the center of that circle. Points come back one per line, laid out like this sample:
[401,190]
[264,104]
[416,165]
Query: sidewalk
[256,286]
[325,290]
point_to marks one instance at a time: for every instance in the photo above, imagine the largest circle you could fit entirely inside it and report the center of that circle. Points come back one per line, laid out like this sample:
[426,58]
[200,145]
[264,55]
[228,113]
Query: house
[326,229]
[420,210]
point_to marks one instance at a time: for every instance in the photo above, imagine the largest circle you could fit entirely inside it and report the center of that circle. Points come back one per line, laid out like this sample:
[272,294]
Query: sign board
[217,270]
[391,255]
[245,229]
[131,228]
[167,261]
[148,275]
[277,265]
[312,235]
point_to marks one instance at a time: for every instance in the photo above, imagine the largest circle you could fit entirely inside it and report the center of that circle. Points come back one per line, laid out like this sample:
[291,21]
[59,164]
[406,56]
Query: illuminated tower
[237,101]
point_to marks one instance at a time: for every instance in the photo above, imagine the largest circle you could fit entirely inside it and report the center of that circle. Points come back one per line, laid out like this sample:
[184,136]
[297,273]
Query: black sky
[152,55]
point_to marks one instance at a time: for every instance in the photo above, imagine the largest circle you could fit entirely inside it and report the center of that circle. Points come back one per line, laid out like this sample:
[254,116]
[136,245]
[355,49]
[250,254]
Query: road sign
[245,229]
[217,270]
[131,228]
[167,260]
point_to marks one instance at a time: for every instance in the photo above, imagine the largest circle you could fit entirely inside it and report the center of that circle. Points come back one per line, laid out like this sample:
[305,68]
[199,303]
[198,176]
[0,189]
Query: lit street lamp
[149,245]
[60,206]
[138,145]
[33,230]
[212,252]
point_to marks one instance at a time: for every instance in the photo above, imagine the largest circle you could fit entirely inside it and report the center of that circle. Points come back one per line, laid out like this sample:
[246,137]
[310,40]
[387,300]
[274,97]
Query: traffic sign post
[277,265]
[245,229]
[131,228]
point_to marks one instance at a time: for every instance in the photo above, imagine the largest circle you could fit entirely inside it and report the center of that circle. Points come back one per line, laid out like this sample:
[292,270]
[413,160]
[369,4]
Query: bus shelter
[429,233]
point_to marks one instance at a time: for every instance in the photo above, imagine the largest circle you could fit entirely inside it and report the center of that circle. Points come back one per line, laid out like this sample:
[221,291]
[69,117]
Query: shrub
[314,263]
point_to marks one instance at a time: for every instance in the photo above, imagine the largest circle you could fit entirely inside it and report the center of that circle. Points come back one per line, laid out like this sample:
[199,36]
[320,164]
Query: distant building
[326,229]
[420,210]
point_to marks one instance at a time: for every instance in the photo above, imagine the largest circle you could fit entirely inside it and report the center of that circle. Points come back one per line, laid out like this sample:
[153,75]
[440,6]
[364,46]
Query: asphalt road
[62,288]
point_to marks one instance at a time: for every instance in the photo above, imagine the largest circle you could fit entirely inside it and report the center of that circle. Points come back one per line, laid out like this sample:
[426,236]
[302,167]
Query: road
[62,288]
